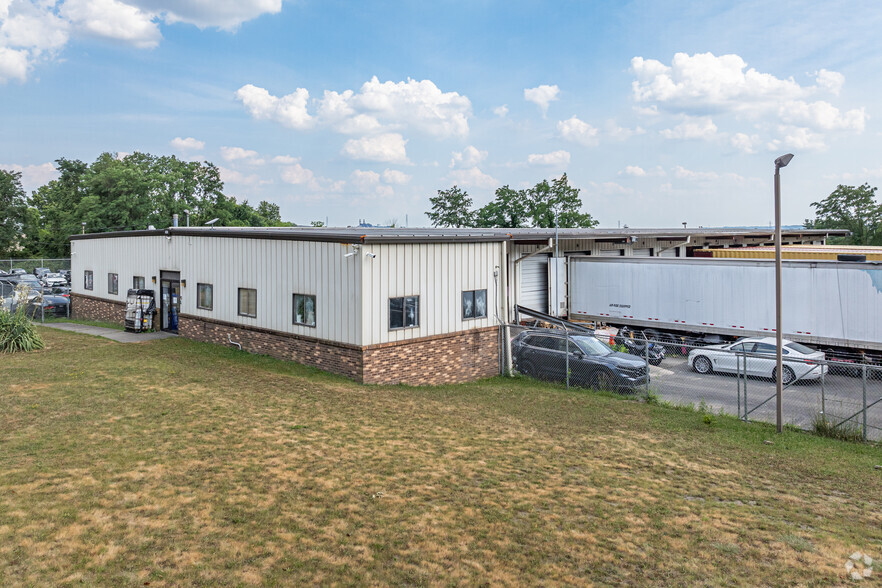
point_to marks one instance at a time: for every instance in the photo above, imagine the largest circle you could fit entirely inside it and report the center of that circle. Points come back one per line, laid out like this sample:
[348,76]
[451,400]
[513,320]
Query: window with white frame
[113,283]
[139,283]
[88,280]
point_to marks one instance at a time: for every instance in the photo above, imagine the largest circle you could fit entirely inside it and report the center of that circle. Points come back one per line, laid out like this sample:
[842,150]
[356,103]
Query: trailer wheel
[788,378]
[702,365]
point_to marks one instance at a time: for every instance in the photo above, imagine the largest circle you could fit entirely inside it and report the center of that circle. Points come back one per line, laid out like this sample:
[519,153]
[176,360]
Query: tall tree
[557,204]
[451,208]
[508,209]
[13,212]
[852,208]
[53,213]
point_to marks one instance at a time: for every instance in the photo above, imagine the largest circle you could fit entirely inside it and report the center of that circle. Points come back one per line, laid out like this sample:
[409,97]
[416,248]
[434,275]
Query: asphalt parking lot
[840,396]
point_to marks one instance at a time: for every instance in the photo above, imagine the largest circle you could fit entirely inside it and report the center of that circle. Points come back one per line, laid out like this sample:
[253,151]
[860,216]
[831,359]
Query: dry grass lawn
[179,463]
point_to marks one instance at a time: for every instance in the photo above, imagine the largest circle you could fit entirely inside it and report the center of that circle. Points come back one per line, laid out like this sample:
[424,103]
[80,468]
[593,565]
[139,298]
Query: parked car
[17,270]
[592,363]
[41,271]
[65,274]
[26,280]
[52,306]
[59,291]
[755,356]
[53,279]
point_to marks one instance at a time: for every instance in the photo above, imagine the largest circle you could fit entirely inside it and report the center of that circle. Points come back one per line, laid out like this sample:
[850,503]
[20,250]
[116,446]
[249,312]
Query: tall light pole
[779,362]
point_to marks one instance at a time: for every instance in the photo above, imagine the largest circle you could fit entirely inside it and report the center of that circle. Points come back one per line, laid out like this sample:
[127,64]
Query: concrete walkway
[115,335]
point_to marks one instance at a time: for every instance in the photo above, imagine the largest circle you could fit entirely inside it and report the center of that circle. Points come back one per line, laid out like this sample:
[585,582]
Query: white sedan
[758,354]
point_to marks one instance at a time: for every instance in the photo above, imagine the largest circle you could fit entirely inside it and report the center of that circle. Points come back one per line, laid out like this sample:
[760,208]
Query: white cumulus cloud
[555,158]
[695,85]
[289,110]
[368,182]
[633,170]
[574,129]
[296,174]
[542,96]
[247,156]
[114,20]
[832,81]
[394,176]
[188,144]
[473,178]
[468,157]
[377,107]
[692,128]
[386,148]
[501,111]
[419,105]
[223,14]
[33,176]
[744,142]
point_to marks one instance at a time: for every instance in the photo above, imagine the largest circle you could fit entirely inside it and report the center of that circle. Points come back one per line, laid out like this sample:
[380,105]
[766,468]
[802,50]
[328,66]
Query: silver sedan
[755,356]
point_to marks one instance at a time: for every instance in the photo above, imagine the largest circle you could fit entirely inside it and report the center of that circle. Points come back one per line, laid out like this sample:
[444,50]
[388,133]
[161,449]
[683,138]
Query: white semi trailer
[826,303]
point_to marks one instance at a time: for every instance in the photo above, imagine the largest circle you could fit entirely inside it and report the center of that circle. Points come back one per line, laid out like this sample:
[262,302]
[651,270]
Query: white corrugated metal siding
[276,268]
[438,274]
[534,283]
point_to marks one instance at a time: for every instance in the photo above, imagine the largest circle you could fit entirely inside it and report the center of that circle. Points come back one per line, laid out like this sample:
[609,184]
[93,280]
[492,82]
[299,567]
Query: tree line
[117,194]
[852,208]
[555,204]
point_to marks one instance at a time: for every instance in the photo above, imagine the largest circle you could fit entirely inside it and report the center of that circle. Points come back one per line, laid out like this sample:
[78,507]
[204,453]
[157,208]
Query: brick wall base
[442,359]
[88,308]
[452,358]
[326,355]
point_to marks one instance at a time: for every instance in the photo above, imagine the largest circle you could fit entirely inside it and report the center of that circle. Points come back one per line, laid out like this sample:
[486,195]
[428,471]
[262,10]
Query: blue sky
[659,111]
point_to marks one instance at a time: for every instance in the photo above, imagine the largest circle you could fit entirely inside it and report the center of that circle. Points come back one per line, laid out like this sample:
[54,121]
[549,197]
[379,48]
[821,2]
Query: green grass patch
[180,463]
[106,325]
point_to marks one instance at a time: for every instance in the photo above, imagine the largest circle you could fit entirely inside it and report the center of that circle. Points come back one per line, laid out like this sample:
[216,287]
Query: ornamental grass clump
[17,332]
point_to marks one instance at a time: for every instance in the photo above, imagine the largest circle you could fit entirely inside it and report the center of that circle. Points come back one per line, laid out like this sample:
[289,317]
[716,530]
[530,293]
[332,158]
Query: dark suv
[592,363]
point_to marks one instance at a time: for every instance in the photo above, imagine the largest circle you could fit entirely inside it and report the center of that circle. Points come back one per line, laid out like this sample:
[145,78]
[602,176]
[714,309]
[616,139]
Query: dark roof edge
[350,236]
[324,237]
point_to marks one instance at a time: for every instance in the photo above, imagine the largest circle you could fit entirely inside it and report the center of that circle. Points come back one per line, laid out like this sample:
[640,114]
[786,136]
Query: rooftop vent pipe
[174,220]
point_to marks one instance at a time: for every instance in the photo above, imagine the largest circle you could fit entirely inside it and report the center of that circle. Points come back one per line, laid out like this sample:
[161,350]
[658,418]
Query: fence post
[823,396]
[738,381]
[567,332]
[506,350]
[745,387]
[864,386]
[646,340]
[43,305]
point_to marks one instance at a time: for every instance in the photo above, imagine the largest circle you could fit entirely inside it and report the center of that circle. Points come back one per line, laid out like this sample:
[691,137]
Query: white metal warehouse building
[417,306]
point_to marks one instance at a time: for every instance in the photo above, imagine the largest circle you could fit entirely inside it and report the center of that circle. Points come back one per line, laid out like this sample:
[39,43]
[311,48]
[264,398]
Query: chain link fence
[31,264]
[42,285]
[836,398]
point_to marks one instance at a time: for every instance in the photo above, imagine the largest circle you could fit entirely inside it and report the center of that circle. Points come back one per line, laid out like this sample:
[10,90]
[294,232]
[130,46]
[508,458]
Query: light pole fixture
[779,361]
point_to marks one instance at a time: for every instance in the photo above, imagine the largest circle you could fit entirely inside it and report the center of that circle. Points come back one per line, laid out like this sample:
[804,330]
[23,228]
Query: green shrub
[17,333]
